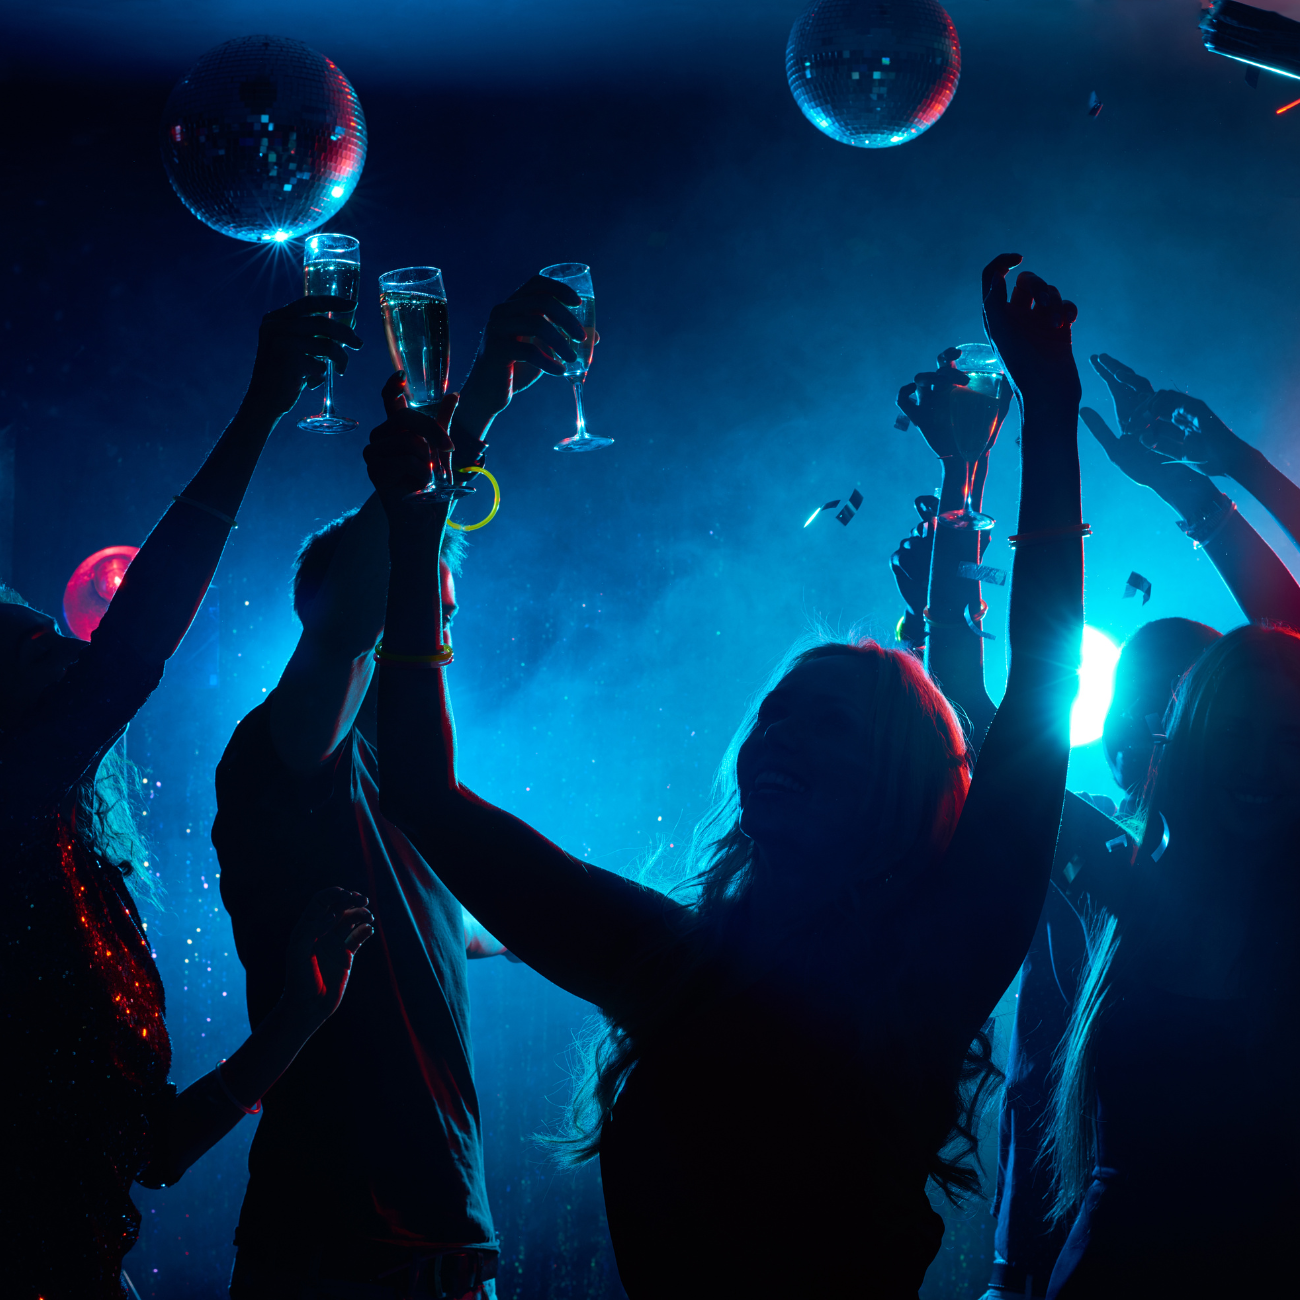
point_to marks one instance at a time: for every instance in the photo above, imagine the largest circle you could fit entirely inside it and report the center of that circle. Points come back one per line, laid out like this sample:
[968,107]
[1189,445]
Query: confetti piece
[979,631]
[1119,842]
[1252,78]
[1094,105]
[1135,583]
[830,505]
[851,507]
[902,424]
[983,573]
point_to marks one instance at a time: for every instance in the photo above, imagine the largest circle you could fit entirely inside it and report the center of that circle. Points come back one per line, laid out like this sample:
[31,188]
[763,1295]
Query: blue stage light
[1096,686]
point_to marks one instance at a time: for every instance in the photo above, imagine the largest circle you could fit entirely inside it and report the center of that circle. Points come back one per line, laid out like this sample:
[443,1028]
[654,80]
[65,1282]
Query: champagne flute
[577,276]
[414,306]
[331,265]
[976,409]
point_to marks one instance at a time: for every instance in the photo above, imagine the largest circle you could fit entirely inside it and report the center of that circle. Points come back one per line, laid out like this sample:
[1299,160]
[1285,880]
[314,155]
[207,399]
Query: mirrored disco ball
[873,73]
[263,138]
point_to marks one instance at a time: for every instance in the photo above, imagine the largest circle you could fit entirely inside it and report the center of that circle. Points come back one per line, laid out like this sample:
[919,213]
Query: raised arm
[954,644]
[987,893]
[325,681]
[590,931]
[1174,459]
[167,580]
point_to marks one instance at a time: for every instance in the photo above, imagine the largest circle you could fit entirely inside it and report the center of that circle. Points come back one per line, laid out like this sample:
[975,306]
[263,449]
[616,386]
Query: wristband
[1049,534]
[496,500]
[1207,527]
[439,659]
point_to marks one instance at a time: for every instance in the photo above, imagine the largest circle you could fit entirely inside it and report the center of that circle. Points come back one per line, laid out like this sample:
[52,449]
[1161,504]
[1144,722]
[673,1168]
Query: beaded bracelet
[1046,534]
[954,622]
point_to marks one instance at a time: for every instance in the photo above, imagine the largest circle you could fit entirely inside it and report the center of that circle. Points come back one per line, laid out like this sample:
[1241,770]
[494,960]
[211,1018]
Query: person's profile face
[1250,769]
[33,656]
[804,771]
[448,598]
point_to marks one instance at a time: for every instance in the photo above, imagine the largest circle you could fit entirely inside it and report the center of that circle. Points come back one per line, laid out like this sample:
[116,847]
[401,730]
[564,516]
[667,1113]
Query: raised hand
[321,948]
[911,562]
[1185,429]
[1177,483]
[1031,332]
[401,452]
[293,345]
[1131,392]
[532,332]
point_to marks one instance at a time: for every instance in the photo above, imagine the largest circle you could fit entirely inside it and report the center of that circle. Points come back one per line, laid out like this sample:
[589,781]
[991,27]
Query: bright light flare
[1096,686]
[1286,107]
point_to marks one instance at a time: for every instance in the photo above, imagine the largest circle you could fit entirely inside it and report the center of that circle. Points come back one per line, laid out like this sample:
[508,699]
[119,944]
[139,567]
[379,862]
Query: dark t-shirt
[86,1050]
[370,1144]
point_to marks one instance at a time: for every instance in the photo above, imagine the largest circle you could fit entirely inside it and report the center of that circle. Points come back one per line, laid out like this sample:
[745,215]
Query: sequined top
[86,1046]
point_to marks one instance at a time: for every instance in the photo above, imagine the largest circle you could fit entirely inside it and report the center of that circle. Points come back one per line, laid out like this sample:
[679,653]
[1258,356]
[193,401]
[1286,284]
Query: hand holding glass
[331,265]
[976,410]
[577,276]
[414,305]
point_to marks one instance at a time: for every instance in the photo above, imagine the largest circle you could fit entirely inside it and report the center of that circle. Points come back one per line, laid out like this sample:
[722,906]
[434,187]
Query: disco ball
[873,73]
[263,138]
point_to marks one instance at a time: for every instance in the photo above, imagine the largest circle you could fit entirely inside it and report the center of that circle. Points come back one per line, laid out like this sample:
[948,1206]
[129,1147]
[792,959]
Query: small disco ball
[873,73]
[263,139]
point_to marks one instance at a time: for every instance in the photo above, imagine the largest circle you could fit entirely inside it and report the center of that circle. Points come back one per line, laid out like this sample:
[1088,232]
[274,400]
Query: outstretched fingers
[1100,430]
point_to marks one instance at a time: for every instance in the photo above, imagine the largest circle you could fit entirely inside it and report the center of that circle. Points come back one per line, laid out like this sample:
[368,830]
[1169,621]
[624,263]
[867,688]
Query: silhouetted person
[393,1199]
[786,1056]
[1171,1148]
[87,1103]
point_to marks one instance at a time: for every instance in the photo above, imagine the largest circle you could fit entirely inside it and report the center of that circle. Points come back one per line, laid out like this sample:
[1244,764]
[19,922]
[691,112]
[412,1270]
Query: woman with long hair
[795,1052]
[1172,1155]
[87,1104]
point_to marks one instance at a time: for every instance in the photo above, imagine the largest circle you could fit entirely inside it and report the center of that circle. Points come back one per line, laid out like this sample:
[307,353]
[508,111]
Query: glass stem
[577,401]
[970,488]
[329,389]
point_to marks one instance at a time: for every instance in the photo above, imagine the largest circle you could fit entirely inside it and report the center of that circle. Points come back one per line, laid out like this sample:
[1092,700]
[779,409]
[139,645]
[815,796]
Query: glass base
[583,442]
[327,423]
[969,520]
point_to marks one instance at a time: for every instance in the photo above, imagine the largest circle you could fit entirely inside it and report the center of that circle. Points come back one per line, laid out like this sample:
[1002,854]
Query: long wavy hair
[105,809]
[920,776]
[1173,788]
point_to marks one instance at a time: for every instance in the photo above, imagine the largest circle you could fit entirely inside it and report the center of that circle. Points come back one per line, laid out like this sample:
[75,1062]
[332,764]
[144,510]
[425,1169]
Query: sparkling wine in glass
[577,276]
[331,265]
[976,409]
[414,307]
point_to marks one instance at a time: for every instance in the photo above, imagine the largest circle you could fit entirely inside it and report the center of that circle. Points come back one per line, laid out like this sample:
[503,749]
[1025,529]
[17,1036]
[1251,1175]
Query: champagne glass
[331,265]
[578,277]
[976,409]
[414,307]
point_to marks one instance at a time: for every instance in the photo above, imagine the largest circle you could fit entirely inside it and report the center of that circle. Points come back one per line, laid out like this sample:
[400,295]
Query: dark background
[762,293]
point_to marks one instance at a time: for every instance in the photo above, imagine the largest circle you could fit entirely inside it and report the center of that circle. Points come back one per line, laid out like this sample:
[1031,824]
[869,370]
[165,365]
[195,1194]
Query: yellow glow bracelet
[496,501]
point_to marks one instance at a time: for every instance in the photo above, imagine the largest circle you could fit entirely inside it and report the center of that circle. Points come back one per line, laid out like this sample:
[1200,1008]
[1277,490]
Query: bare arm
[955,650]
[1260,583]
[321,948]
[166,582]
[986,895]
[1185,429]
[954,646]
